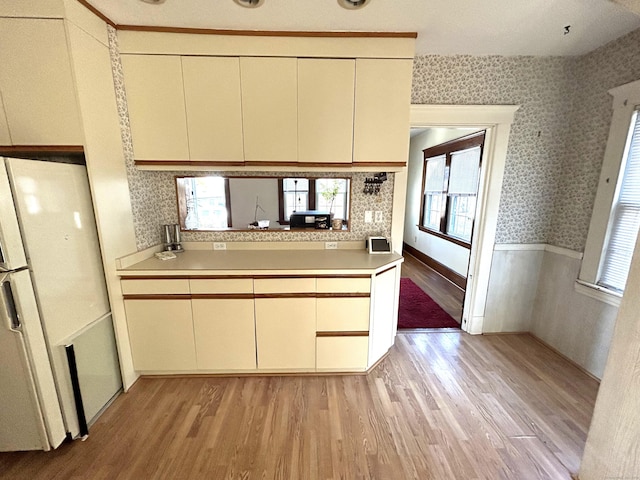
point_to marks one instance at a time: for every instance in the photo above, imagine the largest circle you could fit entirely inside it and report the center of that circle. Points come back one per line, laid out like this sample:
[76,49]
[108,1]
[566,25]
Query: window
[624,219]
[616,211]
[325,194]
[450,179]
[207,204]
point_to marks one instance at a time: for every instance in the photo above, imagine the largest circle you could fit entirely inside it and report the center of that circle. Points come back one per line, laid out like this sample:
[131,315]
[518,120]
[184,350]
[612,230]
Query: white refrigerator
[58,359]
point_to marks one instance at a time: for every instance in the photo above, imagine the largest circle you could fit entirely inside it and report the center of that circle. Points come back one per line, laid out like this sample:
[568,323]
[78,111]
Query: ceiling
[445,27]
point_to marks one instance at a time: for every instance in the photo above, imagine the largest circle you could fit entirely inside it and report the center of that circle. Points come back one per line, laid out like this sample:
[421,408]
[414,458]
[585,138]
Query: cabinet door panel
[155,98]
[161,334]
[37,83]
[269,109]
[342,353]
[285,333]
[325,110]
[382,104]
[214,108]
[384,317]
[224,334]
[343,314]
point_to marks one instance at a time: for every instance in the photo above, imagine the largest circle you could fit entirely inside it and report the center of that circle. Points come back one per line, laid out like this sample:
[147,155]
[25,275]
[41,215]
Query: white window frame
[626,99]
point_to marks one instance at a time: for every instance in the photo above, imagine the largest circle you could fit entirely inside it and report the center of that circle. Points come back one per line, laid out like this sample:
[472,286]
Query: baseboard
[446,272]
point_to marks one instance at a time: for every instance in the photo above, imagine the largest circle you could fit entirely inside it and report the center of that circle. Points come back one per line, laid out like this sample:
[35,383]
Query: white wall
[243,193]
[449,254]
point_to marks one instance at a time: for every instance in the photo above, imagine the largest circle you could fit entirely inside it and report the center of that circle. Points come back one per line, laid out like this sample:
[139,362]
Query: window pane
[206,204]
[296,195]
[434,179]
[465,171]
[332,196]
[461,213]
[433,206]
[625,217]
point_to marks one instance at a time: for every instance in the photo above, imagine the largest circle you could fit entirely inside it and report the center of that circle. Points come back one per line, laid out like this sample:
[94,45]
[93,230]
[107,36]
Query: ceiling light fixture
[352,4]
[249,3]
[153,2]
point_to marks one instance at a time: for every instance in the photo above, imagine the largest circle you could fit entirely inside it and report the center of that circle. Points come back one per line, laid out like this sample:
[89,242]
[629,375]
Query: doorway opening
[496,121]
[442,188]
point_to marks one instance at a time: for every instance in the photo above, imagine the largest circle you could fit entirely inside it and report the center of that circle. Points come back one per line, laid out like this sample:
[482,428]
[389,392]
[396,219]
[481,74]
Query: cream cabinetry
[343,317]
[36,84]
[325,110]
[155,99]
[269,109]
[225,334]
[382,103]
[285,312]
[161,334]
[260,323]
[286,333]
[213,108]
[223,323]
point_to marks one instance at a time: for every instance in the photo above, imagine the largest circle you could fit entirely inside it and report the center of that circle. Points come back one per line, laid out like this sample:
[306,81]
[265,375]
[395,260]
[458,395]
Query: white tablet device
[379,245]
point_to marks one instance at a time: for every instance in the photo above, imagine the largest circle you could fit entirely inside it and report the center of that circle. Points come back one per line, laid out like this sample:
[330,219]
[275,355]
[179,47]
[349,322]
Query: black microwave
[310,219]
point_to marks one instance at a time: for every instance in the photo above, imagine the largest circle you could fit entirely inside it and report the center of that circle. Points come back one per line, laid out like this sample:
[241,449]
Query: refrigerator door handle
[8,308]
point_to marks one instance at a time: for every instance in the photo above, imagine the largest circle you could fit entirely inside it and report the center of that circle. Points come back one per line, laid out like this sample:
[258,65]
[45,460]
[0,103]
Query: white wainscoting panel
[512,288]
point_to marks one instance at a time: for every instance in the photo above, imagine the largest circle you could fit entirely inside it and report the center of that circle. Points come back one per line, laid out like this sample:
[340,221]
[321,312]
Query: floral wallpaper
[154,203]
[558,136]
[553,159]
[588,121]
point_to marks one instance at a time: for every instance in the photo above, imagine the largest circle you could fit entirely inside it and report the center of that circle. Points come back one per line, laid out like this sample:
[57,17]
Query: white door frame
[497,120]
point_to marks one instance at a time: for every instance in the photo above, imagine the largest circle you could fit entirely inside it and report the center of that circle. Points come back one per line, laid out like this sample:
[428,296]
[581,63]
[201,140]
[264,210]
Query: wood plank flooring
[440,406]
[441,290]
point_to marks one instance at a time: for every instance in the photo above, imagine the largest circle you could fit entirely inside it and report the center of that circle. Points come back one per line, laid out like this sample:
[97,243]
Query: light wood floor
[446,294]
[440,406]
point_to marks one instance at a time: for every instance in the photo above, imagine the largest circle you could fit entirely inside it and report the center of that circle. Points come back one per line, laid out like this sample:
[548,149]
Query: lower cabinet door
[224,334]
[161,334]
[286,333]
[342,353]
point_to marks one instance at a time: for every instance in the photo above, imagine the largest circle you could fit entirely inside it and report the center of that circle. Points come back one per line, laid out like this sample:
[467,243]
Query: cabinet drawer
[234,285]
[344,285]
[284,285]
[342,314]
[341,353]
[143,286]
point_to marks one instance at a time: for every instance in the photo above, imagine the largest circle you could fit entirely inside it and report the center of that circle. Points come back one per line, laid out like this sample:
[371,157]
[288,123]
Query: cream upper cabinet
[36,83]
[155,98]
[269,109]
[325,110]
[382,104]
[214,108]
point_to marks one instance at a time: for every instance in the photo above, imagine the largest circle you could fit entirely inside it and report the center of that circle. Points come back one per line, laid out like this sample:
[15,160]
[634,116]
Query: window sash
[624,220]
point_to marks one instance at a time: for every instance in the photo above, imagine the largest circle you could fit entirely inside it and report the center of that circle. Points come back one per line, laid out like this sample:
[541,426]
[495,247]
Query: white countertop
[264,262]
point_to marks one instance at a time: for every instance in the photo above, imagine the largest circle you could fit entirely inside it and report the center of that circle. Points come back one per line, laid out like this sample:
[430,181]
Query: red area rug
[418,310]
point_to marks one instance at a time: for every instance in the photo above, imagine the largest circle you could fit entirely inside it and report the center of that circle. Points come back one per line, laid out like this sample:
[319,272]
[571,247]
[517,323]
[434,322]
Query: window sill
[598,293]
[449,238]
